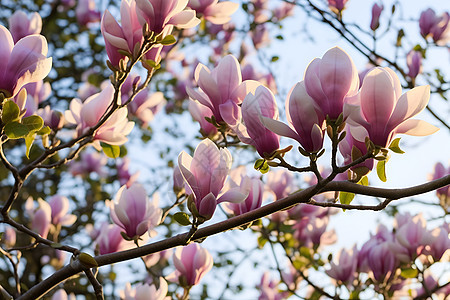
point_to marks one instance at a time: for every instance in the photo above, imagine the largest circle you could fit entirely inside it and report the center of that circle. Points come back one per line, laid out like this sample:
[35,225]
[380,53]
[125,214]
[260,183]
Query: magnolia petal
[279,128]
[233,195]
[416,128]
[410,104]
[228,76]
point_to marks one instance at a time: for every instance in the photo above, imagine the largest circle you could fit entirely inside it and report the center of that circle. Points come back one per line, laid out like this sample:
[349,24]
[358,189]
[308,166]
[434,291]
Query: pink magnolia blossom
[348,146]
[440,244]
[144,291]
[306,120]
[214,12]
[9,237]
[144,106]
[311,232]
[254,187]
[163,15]
[109,239]
[414,62]
[192,262]
[382,235]
[254,108]
[23,62]
[283,11]
[439,172]
[249,73]
[133,212]
[221,89]
[280,182]
[89,162]
[87,114]
[41,216]
[382,262]
[269,289]
[52,118]
[437,27]
[411,239]
[123,172]
[199,112]
[331,80]
[37,92]
[344,270]
[20,25]
[60,206]
[385,112]
[376,12]
[121,37]
[205,174]
[337,6]
[86,12]
[260,36]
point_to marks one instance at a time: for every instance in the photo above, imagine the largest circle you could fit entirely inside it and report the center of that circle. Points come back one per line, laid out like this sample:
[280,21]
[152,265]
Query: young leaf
[182,218]
[409,273]
[346,198]
[112,151]
[381,170]
[394,146]
[87,260]
[34,123]
[364,181]
[15,130]
[11,112]
[168,40]
[44,130]
[29,139]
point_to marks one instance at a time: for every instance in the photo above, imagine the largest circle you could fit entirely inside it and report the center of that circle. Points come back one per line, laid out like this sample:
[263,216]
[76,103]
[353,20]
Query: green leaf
[87,260]
[381,170]
[346,198]
[274,58]
[152,64]
[259,163]
[112,151]
[182,218]
[29,139]
[261,241]
[409,273]
[364,181]
[44,130]
[265,168]
[11,112]
[394,146]
[15,130]
[168,40]
[34,123]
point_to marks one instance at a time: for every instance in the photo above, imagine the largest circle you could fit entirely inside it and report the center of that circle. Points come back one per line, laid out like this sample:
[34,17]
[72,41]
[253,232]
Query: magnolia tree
[80,86]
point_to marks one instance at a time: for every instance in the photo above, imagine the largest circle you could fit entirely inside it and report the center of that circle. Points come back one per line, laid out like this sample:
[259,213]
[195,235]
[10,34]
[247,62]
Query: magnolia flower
[109,239]
[123,172]
[384,112]
[382,262]
[305,118]
[414,63]
[331,80]
[205,174]
[41,216]
[254,187]
[9,237]
[133,212]
[163,15]
[411,239]
[144,106]
[23,62]
[376,12]
[86,12]
[192,262]
[52,118]
[60,206]
[439,172]
[145,291]
[255,108]
[345,269]
[199,112]
[121,37]
[20,25]
[216,13]
[89,162]
[436,27]
[269,290]
[87,114]
[337,5]
[221,89]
